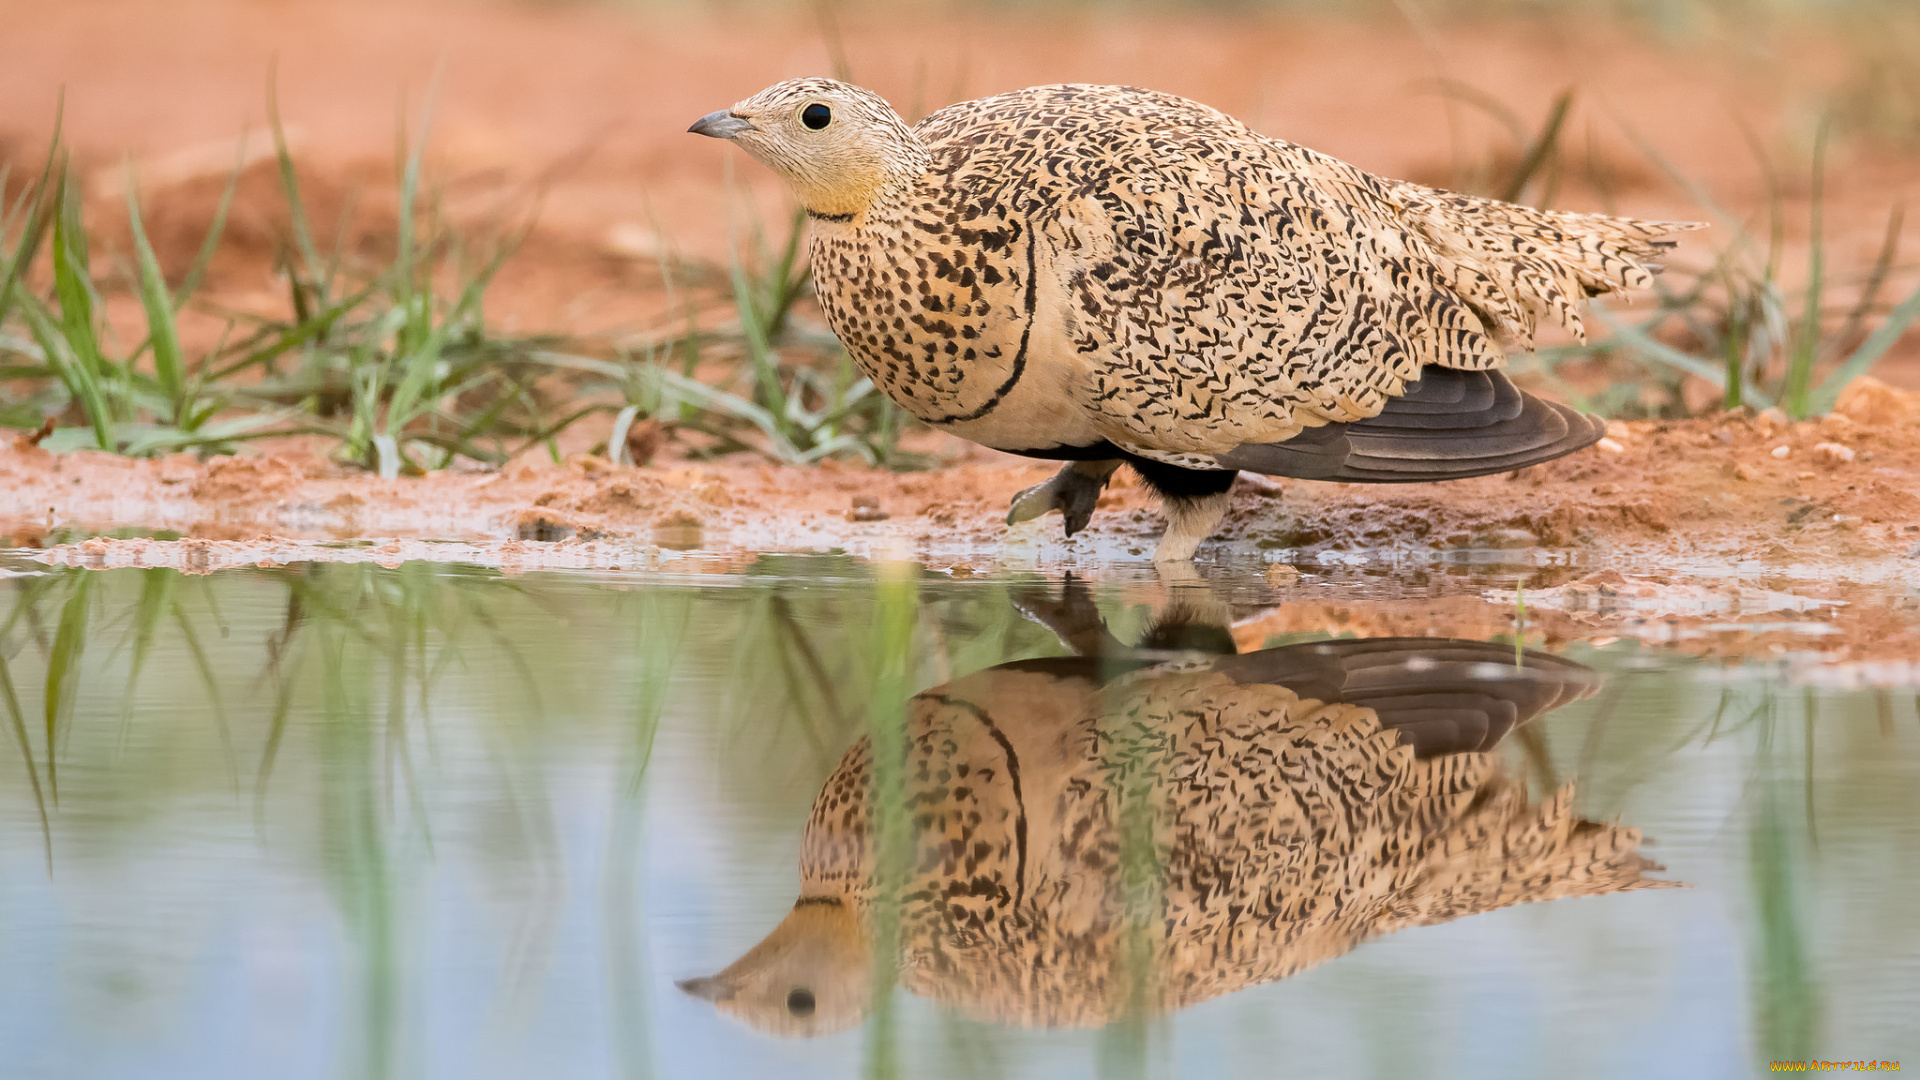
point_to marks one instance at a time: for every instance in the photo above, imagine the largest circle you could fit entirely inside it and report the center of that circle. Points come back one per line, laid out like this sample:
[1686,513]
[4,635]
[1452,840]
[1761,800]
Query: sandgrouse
[1106,275]
[1099,837]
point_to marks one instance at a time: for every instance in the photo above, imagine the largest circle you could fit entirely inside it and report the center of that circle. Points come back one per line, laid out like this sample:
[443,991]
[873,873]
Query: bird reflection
[1134,830]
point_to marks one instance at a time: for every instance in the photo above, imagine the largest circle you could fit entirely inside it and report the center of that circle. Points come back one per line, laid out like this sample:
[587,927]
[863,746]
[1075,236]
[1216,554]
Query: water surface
[338,820]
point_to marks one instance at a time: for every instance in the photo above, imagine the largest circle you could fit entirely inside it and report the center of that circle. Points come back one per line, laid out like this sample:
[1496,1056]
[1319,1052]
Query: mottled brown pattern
[1187,283]
[1248,832]
[1101,837]
[1108,273]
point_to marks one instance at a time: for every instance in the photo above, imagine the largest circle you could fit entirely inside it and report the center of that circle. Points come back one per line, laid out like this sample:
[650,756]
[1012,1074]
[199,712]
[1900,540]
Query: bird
[1132,831]
[1107,275]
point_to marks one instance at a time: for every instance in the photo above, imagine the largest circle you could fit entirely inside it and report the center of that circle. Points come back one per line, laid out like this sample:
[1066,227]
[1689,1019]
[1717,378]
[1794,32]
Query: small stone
[1836,425]
[866,508]
[1833,455]
[1604,490]
[1611,446]
[1871,403]
[1510,539]
[1282,574]
[1618,431]
[1782,452]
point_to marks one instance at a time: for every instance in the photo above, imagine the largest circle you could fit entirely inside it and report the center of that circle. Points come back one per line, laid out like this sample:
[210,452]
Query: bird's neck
[854,191]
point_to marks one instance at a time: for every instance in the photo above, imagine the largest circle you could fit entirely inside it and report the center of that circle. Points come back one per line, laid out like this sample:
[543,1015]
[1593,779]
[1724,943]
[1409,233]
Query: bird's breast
[947,319]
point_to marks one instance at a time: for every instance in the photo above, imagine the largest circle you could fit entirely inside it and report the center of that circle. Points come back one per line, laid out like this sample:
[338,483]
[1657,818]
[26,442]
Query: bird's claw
[1072,491]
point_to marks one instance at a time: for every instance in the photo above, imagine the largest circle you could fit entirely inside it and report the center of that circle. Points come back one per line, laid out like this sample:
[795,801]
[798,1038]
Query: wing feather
[1216,288]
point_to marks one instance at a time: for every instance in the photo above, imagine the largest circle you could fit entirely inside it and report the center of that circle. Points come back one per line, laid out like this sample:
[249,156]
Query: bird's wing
[1442,696]
[1220,288]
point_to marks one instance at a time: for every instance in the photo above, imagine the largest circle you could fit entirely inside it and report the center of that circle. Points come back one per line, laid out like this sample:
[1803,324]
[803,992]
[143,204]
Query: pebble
[1833,454]
[1782,451]
[1611,446]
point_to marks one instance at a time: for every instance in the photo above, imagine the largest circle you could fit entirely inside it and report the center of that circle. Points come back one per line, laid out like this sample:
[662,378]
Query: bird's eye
[800,999]
[816,116]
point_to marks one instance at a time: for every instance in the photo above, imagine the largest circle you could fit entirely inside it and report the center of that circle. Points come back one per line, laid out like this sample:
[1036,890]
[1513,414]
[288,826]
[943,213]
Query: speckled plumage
[1214,823]
[1070,270]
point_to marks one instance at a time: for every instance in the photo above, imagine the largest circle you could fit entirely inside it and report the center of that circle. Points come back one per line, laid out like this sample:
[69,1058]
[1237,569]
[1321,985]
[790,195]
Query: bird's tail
[1514,265]
[1500,850]
[1448,426]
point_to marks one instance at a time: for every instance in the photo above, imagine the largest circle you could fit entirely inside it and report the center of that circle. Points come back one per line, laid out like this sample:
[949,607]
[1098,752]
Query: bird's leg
[1073,618]
[1073,491]
[1195,500]
[1189,519]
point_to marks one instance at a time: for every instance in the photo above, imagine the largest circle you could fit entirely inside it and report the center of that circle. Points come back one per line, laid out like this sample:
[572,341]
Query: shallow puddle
[334,820]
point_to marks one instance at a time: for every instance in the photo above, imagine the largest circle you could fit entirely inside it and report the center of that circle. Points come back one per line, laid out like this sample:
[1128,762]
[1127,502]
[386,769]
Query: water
[339,820]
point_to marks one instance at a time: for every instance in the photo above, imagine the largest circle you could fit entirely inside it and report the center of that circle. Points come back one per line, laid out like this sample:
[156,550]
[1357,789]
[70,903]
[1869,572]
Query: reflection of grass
[326,702]
[1787,997]
[18,719]
[660,626]
[891,648]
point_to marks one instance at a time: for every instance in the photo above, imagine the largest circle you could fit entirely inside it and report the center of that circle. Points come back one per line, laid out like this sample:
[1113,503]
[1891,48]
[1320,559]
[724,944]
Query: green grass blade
[289,681]
[1869,352]
[1876,280]
[1798,389]
[418,313]
[290,188]
[72,278]
[156,586]
[190,283]
[1542,149]
[21,261]
[63,669]
[753,328]
[19,720]
[162,331]
[36,224]
[75,374]
[205,669]
[418,369]
[1644,346]
[1733,346]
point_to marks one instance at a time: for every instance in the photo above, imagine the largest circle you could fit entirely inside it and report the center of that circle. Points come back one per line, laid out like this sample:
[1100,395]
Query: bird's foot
[1189,520]
[1074,491]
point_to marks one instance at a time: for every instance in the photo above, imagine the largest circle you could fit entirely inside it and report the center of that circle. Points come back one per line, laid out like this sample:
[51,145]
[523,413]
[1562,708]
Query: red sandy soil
[1710,523]
[1707,491]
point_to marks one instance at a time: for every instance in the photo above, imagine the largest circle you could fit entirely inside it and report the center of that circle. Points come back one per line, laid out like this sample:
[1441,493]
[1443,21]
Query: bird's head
[813,975]
[835,144]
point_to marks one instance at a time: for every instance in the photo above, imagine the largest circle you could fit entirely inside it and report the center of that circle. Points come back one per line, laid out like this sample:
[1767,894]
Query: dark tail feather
[1443,696]
[1448,426]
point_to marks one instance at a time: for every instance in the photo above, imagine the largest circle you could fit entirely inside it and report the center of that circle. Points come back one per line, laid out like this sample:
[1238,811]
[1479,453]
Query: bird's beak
[706,988]
[721,124]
